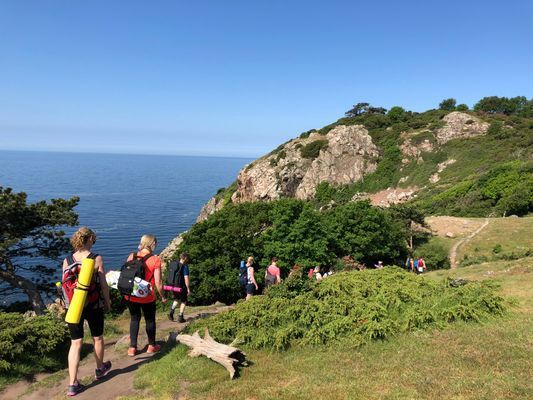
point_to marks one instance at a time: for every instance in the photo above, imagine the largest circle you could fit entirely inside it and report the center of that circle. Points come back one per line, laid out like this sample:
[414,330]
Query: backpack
[70,280]
[243,274]
[175,278]
[134,268]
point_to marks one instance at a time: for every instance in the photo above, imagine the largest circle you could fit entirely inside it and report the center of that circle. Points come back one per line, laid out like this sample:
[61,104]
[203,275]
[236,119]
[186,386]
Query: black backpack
[134,268]
[175,276]
[243,276]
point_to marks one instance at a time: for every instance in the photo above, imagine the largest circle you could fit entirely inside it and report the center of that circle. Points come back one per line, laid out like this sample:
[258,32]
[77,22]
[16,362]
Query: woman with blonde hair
[251,284]
[146,305]
[93,312]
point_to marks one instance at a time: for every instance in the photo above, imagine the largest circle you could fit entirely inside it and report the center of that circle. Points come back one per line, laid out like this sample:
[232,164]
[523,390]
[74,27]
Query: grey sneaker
[99,373]
[73,390]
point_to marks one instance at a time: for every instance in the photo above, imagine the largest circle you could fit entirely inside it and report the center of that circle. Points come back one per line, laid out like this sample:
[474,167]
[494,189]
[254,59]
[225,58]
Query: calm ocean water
[122,196]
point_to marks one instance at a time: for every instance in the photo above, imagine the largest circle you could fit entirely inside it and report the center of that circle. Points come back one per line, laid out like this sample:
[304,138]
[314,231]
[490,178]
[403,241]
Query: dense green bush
[292,230]
[503,105]
[311,150]
[504,190]
[434,254]
[352,306]
[31,345]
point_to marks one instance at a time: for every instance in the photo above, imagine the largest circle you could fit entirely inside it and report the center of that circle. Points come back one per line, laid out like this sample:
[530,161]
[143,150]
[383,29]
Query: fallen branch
[229,357]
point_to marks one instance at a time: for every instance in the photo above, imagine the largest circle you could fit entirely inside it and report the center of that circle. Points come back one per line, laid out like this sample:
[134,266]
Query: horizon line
[126,153]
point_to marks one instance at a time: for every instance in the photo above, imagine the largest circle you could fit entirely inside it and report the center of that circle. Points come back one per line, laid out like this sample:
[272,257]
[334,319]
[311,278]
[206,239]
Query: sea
[121,196]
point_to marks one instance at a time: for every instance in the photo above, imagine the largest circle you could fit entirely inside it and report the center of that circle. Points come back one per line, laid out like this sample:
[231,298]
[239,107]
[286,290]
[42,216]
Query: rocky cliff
[344,155]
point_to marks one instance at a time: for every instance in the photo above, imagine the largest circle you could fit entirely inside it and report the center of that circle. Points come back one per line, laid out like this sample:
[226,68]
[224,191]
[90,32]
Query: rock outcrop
[211,207]
[349,155]
[460,125]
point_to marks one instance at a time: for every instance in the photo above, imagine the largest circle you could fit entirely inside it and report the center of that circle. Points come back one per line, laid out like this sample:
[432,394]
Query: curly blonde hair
[81,237]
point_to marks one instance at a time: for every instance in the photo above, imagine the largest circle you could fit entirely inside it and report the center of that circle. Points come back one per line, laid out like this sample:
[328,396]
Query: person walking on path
[146,305]
[97,302]
[251,284]
[272,273]
[184,284]
[421,266]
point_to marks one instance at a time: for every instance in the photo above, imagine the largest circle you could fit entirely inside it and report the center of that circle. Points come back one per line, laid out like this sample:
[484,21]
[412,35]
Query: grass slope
[464,361]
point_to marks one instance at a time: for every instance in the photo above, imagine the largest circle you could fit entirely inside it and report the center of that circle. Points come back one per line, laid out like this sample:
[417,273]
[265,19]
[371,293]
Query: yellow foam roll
[75,308]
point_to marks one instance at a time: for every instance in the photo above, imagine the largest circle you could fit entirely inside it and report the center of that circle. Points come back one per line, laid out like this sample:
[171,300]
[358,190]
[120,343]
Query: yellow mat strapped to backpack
[79,297]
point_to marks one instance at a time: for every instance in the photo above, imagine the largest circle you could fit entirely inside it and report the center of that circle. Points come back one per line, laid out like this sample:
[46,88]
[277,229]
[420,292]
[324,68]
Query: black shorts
[250,288]
[95,319]
[181,296]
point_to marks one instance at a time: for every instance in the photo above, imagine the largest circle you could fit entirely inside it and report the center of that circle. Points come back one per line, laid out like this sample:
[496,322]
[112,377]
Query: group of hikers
[416,265]
[249,284]
[98,300]
[177,285]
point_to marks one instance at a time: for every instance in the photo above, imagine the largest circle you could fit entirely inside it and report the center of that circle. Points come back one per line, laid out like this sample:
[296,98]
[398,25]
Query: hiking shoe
[181,319]
[171,316]
[153,349]
[132,351]
[99,373]
[73,390]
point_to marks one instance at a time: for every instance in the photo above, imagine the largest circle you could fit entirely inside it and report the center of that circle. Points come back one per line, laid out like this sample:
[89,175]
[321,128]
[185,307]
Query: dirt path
[119,381]
[453,251]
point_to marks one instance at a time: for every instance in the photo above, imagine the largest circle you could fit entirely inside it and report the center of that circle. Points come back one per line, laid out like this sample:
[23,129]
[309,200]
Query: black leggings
[148,309]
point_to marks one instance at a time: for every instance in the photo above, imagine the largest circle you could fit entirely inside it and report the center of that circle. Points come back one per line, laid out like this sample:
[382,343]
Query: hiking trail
[119,381]
[453,251]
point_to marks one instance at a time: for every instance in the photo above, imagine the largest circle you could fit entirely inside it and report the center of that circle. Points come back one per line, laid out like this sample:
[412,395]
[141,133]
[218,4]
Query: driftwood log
[229,357]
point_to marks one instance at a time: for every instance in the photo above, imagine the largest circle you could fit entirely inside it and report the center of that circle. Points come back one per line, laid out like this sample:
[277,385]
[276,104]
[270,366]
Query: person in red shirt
[146,305]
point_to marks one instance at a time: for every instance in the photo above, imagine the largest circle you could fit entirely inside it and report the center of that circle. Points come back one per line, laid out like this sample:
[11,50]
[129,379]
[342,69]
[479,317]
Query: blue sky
[237,78]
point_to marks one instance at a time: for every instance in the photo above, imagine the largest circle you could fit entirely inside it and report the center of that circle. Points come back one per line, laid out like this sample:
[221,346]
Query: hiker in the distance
[181,279]
[97,302]
[421,265]
[272,273]
[243,274]
[146,305]
[251,284]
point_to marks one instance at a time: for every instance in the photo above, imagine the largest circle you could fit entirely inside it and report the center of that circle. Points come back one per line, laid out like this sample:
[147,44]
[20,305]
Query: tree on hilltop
[364,108]
[503,105]
[357,109]
[29,231]
[447,104]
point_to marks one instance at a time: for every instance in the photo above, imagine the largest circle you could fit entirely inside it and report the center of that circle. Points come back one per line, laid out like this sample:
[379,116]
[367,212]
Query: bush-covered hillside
[351,306]
[492,174]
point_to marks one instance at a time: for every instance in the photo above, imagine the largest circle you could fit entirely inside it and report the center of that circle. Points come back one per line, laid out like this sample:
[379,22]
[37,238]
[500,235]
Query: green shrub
[311,150]
[31,345]
[352,306]
[434,254]
[281,155]
[422,136]
[292,230]
[306,134]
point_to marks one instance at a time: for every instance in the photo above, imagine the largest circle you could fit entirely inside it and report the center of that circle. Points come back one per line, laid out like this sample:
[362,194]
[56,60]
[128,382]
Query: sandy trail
[453,251]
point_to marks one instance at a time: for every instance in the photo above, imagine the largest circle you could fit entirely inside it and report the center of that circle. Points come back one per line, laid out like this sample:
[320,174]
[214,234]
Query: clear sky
[238,78]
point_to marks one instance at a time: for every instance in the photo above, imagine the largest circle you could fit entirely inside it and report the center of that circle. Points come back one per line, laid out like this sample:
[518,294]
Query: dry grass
[514,235]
